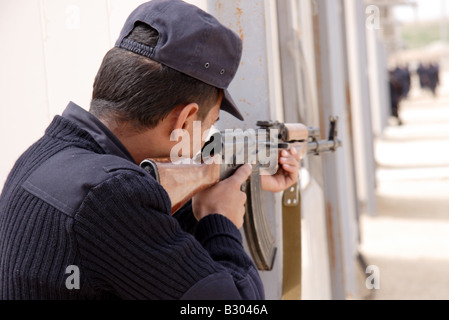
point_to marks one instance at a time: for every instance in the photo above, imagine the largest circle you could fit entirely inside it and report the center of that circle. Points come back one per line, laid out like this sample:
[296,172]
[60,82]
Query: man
[396,94]
[79,219]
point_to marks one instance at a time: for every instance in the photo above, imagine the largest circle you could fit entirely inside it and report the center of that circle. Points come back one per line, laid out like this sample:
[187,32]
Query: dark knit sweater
[68,202]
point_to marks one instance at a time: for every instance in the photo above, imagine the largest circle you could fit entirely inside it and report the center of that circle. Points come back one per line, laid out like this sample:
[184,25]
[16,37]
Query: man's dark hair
[133,88]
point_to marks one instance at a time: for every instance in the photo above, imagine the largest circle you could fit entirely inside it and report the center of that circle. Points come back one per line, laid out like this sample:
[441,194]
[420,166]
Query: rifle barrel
[323,146]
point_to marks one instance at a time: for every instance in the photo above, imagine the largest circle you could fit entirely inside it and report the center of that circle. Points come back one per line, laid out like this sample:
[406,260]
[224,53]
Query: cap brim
[229,105]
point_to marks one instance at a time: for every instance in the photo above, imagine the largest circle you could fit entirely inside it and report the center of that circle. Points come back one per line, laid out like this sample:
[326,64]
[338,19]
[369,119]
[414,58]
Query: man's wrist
[216,225]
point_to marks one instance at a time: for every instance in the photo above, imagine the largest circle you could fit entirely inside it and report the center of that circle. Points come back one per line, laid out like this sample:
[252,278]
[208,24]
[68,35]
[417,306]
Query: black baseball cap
[191,41]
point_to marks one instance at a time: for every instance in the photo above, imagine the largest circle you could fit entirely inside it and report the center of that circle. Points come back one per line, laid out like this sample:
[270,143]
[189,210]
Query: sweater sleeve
[131,246]
[186,218]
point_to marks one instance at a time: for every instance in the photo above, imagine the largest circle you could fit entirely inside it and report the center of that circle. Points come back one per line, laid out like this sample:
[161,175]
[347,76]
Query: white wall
[51,52]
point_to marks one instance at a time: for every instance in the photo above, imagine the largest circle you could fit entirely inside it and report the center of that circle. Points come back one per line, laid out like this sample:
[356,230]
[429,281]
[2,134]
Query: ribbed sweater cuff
[218,228]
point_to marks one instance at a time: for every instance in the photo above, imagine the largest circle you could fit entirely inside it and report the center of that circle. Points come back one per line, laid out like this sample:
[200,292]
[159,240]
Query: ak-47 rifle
[224,153]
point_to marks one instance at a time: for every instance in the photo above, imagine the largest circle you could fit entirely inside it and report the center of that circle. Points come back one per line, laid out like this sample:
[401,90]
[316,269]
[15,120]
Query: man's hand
[224,198]
[287,174]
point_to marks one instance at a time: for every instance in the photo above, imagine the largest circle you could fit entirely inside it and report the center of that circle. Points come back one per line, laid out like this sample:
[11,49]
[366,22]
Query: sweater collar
[101,134]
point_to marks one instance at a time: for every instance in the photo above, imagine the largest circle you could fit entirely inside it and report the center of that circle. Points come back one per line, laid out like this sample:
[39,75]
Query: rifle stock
[182,181]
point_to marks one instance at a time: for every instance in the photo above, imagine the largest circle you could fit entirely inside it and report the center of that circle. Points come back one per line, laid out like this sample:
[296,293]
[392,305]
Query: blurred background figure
[429,77]
[422,74]
[434,76]
[397,83]
[406,80]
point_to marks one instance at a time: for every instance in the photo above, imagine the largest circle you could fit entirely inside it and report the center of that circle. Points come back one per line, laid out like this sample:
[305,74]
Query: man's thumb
[242,173]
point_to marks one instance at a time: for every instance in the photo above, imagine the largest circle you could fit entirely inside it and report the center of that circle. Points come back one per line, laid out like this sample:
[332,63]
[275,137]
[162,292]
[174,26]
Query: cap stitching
[137,47]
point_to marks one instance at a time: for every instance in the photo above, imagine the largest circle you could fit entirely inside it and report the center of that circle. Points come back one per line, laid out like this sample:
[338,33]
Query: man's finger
[294,153]
[290,160]
[290,169]
[290,153]
[242,174]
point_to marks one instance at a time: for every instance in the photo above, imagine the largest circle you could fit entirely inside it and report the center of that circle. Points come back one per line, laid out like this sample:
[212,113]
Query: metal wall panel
[378,78]
[299,95]
[257,94]
[362,132]
[338,174]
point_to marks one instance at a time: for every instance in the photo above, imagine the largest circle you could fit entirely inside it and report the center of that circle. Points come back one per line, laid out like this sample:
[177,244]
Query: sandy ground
[408,240]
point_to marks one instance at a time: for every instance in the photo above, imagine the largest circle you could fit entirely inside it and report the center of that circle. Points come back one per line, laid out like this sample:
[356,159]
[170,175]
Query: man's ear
[185,116]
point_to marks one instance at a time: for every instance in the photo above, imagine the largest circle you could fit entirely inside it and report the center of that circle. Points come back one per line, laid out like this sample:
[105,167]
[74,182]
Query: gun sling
[291,231]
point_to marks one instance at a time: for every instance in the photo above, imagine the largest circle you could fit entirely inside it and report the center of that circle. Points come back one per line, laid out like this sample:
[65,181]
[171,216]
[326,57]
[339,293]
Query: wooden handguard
[293,132]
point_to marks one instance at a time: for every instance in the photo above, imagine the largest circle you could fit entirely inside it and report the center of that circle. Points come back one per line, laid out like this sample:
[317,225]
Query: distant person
[407,80]
[402,74]
[421,71]
[434,77]
[429,77]
[396,94]
[425,76]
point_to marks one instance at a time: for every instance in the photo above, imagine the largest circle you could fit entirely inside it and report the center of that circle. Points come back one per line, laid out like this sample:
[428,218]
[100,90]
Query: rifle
[224,153]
